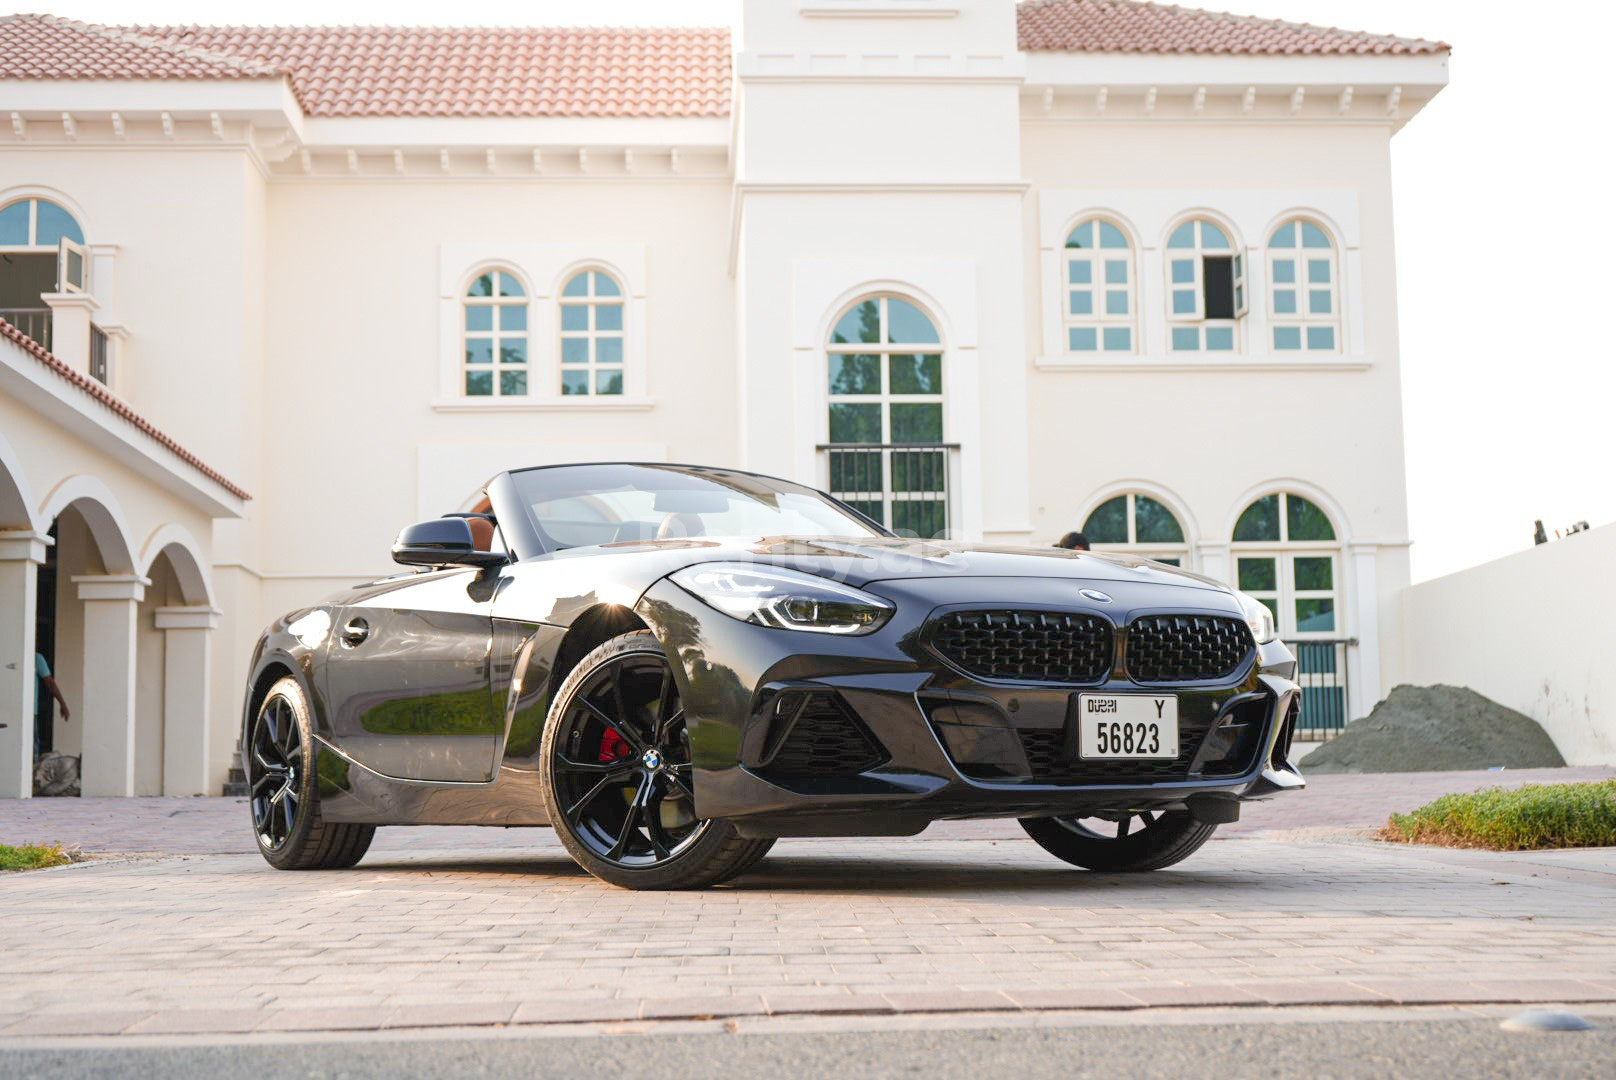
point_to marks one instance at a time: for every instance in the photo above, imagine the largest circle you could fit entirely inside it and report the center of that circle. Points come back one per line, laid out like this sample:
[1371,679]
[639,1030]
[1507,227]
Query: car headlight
[769,596]
[1259,618]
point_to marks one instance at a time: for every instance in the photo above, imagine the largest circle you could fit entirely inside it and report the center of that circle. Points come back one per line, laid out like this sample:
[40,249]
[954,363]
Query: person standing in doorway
[43,681]
[1073,541]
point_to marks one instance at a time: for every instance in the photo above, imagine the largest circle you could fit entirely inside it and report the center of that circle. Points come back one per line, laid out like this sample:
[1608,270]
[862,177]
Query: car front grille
[1076,647]
[824,739]
[1037,646]
[1186,648]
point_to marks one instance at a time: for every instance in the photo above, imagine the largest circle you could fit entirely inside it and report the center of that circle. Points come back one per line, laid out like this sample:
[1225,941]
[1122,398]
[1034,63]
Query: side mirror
[442,542]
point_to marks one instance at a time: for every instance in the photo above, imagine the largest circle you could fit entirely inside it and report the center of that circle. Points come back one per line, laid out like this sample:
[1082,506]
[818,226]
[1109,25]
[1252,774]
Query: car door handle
[355,631]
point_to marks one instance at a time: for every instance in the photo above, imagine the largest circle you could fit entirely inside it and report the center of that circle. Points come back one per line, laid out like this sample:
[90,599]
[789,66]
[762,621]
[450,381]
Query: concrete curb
[1391,993]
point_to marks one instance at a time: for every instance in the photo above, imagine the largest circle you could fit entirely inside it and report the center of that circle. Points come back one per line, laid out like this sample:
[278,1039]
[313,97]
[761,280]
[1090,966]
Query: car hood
[860,562]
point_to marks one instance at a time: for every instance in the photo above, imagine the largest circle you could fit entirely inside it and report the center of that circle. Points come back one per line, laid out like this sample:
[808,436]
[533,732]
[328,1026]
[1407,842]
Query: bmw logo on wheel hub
[652,759]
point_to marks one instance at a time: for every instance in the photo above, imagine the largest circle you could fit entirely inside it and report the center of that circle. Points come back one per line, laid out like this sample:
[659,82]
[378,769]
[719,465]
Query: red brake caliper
[613,747]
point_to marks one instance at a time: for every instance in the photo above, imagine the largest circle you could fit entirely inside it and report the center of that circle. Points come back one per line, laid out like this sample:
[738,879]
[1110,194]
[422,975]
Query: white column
[187,634]
[70,328]
[21,554]
[1213,561]
[110,604]
[1364,625]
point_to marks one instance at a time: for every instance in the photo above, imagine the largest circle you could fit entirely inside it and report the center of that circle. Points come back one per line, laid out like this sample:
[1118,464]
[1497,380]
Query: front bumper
[945,745]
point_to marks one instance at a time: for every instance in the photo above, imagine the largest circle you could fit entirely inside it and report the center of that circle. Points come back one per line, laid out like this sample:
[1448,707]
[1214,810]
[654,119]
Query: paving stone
[198,1022]
[950,1001]
[1073,998]
[462,1014]
[1181,996]
[467,927]
[109,1022]
[834,1001]
[576,1011]
[350,1018]
[701,1007]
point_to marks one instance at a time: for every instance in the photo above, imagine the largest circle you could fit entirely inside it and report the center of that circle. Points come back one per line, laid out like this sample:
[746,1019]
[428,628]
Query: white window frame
[1250,212]
[496,335]
[884,350]
[1285,552]
[1100,319]
[1196,255]
[886,398]
[545,268]
[1303,319]
[592,335]
[1132,546]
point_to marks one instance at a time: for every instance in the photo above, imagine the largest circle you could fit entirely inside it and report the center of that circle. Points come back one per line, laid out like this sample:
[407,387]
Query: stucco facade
[287,298]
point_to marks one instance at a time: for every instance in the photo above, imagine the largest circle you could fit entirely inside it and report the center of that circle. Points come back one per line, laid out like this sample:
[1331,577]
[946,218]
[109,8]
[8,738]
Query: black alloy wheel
[618,775]
[283,792]
[1121,841]
[274,768]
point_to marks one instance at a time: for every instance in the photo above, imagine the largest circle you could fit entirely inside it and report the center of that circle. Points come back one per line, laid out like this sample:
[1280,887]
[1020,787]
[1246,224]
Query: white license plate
[1127,726]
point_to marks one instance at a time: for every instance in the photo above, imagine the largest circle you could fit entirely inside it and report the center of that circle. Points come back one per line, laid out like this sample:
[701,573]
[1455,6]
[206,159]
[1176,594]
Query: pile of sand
[1436,728]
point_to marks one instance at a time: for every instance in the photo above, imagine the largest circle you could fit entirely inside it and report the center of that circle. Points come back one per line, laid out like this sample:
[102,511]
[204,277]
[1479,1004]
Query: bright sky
[1508,394]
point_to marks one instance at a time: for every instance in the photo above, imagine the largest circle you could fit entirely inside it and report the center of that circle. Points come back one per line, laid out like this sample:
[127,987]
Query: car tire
[284,792]
[1164,838]
[574,750]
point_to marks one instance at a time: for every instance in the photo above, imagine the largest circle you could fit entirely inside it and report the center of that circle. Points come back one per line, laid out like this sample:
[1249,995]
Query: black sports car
[676,665]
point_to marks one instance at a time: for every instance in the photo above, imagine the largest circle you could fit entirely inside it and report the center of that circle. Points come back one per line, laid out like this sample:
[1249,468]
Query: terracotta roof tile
[570,71]
[481,71]
[101,394]
[45,47]
[401,71]
[1129,26]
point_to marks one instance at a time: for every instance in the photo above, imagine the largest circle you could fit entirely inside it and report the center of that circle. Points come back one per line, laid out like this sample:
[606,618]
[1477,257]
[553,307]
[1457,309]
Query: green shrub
[32,856]
[1534,816]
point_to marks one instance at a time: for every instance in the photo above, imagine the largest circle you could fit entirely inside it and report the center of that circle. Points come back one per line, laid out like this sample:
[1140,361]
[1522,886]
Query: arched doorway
[174,624]
[91,634]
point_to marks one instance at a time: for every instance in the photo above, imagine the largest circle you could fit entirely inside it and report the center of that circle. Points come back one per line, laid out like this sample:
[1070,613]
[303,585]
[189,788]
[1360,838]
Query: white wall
[1534,631]
[1215,435]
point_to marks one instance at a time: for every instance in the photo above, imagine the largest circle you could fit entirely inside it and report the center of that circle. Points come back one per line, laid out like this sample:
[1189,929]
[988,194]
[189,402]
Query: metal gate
[1321,669]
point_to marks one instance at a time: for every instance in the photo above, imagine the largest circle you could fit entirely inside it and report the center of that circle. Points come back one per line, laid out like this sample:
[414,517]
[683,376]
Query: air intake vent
[814,733]
[1033,646]
[1186,648]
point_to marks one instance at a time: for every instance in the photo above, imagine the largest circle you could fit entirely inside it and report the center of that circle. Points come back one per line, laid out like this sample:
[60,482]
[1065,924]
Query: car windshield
[583,505]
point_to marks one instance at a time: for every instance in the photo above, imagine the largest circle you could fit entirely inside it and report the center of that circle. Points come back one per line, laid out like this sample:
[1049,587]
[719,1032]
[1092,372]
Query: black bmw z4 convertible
[674,666]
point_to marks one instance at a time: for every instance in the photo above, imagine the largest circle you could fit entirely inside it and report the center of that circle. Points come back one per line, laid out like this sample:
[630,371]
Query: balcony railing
[905,486]
[34,322]
[1321,669]
[98,354]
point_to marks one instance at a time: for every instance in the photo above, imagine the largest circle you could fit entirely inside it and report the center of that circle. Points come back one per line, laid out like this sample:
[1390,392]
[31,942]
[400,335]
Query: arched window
[1099,289]
[1303,304]
[592,334]
[495,336]
[41,251]
[38,224]
[1286,554]
[885,380]
[1139,525]
[1206,287]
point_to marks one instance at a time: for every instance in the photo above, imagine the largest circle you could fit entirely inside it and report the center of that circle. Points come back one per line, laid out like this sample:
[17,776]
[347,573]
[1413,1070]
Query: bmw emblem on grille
[1096,595]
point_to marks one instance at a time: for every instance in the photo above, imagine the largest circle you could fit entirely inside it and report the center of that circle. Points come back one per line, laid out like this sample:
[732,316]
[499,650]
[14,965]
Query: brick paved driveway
[460,927]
